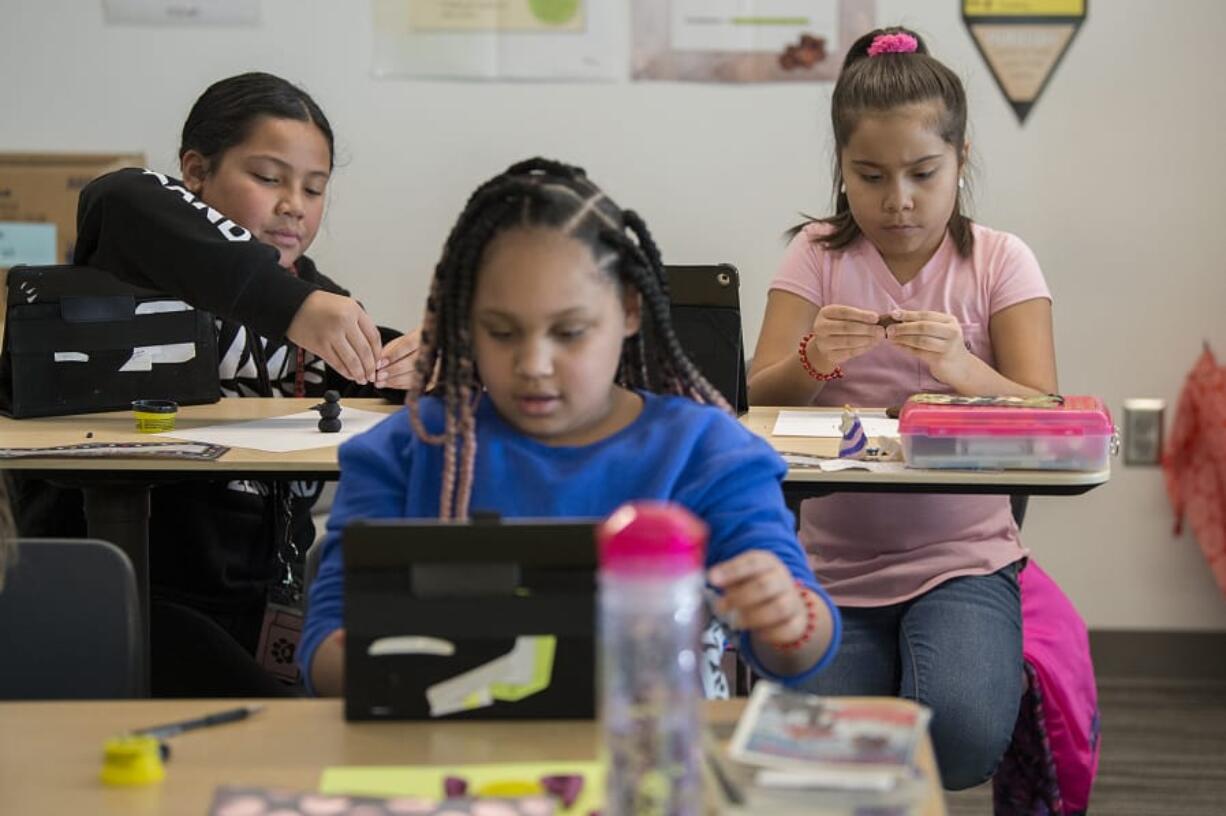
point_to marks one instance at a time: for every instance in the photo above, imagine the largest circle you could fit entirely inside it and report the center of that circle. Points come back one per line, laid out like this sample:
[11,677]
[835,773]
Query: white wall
[1115,181]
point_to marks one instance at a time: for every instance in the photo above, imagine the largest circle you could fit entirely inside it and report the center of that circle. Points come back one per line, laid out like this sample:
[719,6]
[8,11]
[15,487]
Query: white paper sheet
[284,433]
[809,423]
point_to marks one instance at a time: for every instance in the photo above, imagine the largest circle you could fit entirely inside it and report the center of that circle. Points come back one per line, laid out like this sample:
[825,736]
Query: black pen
[170,729]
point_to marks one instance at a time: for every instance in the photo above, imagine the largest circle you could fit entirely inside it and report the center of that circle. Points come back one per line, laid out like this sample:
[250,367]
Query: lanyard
[299,354]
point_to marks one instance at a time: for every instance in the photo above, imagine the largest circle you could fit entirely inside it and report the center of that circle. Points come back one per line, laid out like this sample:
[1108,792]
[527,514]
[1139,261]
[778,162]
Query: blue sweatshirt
[678,450]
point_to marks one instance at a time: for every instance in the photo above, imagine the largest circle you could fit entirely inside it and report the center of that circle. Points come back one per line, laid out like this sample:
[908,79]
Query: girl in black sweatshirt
[230,238]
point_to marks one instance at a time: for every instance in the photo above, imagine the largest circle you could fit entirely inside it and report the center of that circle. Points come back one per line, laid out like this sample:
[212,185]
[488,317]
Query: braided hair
[538,193]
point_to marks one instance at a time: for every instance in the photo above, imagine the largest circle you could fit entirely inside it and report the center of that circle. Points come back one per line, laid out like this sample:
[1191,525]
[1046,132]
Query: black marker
[221,717]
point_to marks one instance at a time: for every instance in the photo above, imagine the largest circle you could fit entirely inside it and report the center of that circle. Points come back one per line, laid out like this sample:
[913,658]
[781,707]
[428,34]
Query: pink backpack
[1050,765]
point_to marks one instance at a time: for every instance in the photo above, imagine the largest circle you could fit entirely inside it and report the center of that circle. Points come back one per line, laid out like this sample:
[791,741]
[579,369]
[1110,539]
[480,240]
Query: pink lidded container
[1005,433]
[651,615]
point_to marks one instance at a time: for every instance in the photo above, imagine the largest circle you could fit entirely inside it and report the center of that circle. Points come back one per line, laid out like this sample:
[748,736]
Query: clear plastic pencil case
[1006,433]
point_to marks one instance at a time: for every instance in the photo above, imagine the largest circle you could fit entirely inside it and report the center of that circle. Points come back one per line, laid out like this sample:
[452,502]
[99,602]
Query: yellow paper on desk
[427,780]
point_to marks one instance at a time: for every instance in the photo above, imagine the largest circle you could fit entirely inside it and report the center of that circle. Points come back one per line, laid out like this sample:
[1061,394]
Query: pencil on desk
[170,729]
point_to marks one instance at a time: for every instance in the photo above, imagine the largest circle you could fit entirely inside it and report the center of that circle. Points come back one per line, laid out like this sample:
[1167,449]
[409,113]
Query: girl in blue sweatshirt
[552,402]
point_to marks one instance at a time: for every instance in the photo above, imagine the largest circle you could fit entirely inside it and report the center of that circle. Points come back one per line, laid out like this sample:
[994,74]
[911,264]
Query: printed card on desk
[799,740]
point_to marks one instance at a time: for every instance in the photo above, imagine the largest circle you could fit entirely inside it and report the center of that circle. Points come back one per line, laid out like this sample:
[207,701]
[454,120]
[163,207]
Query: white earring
[961,182]
[843,189]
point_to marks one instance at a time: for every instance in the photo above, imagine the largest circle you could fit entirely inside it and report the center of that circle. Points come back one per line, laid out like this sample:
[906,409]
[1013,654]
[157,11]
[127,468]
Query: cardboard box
[43,188]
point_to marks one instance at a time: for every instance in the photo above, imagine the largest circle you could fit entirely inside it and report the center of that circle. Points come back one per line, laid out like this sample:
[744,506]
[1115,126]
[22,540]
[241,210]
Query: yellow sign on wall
[1023,41]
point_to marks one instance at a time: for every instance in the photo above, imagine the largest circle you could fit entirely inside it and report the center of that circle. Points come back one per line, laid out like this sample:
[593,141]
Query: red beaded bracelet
[810,622]
[837,374]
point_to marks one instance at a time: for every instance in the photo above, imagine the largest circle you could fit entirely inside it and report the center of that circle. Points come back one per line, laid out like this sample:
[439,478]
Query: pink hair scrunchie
[893,44]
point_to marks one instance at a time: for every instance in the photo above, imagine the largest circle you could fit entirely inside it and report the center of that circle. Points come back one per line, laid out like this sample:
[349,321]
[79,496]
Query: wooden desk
[808,482]
[118,426]
[51,753]
[117,490]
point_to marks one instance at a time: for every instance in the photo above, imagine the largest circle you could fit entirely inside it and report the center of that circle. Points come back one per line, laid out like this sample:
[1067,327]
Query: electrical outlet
[1143,423]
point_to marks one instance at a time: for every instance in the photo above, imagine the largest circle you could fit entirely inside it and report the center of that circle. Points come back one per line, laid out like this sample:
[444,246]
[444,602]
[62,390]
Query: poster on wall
[744,40]
[497,39]
[182,12]
[1023,41]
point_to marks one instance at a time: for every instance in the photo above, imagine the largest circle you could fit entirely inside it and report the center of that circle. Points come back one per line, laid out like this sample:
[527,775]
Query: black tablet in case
[480,620]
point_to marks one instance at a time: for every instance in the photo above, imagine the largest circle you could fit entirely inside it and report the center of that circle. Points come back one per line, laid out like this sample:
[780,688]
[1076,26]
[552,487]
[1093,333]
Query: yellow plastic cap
[132,760]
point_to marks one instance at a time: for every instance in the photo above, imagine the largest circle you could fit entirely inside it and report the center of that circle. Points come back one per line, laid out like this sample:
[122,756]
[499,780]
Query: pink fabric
[879,549]
[1195,461]
[1056,645]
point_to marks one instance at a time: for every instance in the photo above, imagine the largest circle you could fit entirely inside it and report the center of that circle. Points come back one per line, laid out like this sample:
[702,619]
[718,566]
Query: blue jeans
[958,650]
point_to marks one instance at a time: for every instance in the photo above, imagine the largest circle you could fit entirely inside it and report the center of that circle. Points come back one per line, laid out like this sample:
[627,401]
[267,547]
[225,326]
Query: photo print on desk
[228,801]
[120,450]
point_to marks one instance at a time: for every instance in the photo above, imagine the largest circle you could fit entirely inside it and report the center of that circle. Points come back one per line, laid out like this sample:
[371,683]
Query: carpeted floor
[1163,754]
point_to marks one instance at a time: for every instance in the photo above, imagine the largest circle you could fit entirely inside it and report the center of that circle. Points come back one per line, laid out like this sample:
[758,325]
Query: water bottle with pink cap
[651,616]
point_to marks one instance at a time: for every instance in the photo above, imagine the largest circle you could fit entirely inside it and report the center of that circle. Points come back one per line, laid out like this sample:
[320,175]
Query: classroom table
[50,753]
[117,490]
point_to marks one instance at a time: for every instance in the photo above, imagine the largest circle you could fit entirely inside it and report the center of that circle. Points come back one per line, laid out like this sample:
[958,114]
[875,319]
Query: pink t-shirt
[875,549]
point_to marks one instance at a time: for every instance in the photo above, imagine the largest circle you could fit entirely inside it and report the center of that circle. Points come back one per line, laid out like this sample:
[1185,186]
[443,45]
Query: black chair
[70,623]
[1018,503]
[706,315]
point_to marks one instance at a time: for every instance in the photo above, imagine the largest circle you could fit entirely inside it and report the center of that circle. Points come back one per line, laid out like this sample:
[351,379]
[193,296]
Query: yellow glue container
[132,760]
[155,416]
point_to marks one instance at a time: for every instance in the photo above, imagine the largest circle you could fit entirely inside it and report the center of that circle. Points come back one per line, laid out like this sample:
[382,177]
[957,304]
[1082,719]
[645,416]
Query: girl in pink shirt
[899,292]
